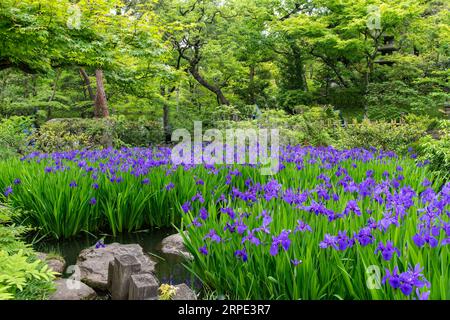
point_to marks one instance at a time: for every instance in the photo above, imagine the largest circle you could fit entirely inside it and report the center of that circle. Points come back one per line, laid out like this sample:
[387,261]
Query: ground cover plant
[22,275]
[331,224]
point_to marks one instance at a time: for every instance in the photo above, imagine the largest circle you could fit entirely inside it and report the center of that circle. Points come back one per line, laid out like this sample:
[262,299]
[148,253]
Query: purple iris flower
[352,206]
[17,181]
[241,254]
[73,184]
[230,227]
[388,220]
[387,251]
[364,236]
[100,244]
[145,181]
[302,227]
[328,241]
[213,236]
[283,240]
[343,241]
[296,262]
[198,196]
[93,201]
[408,280]
[169,186]
[251,237]
[372,223]
[203,250]
[395,184]
[8,191]
[229,212]
[203,213]
[241,227]
[196,223]
[186,207]
[420,239]
[422,295]
[393,278]
[95,185]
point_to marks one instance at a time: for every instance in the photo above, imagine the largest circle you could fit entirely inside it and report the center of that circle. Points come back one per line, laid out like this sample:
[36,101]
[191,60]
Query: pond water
[169,268]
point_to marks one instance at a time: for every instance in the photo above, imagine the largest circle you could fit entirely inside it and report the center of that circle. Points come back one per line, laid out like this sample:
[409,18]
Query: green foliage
[140,132]
[14,132]
[315,126]
[63,135]
[436,150]
[385,135]
[17,273]
[77,133]
[22,276]
[394,99]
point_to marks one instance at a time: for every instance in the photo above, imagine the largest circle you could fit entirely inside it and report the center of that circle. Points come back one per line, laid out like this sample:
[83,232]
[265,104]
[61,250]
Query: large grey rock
[67,289]
[93,263]
[184,293]
[174,245]
[55,263]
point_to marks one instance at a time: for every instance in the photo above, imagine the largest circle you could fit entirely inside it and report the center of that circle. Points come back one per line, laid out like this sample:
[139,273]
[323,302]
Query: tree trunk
[87,83]
[166,124]
[167,133]
[34,85]
[101,103]
[222,100]
[55,88]
[251,85]
[26,87]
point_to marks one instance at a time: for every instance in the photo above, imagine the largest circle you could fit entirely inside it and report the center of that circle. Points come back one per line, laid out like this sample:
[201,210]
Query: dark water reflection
[169,268]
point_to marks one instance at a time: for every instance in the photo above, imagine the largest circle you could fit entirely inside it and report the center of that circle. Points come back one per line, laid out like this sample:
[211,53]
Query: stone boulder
[55,263]
[184,293]
[93,263]
[174,245]
[67,289]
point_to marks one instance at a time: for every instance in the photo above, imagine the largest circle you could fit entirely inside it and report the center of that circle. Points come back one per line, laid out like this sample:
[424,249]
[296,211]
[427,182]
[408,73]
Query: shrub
[316,126]
[140,132]
[394,99]
[437,151]
[60,135]
[379,134]
[76,133]
[13,135]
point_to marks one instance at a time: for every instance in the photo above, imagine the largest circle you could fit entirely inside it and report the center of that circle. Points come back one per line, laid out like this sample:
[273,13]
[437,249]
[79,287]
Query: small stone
[55,263]
[174,245]
[143,287]
[184,293]
[67,289]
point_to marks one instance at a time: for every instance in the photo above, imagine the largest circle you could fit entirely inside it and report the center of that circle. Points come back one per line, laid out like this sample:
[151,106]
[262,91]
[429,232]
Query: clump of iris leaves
[331,224]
